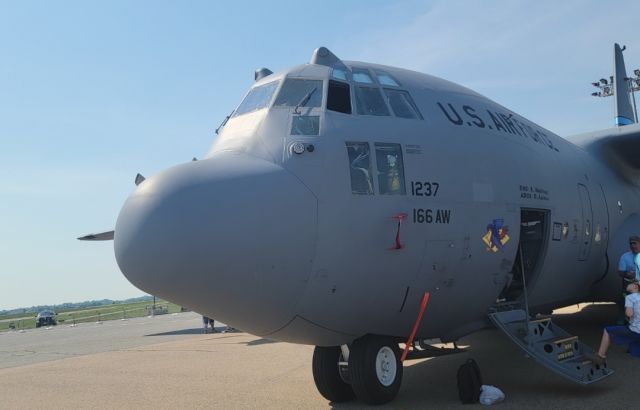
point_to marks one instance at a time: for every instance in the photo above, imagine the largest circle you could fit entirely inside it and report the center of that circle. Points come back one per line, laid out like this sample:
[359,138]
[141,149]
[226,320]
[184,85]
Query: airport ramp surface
[167,363]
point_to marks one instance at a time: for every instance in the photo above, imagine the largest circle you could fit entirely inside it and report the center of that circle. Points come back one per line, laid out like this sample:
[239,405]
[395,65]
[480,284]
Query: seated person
[623,334]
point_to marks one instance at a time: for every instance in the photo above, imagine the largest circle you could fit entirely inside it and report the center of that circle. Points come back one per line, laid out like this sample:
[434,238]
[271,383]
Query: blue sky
[93,92]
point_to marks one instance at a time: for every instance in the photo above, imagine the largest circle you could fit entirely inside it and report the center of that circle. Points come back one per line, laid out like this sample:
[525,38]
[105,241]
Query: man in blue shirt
[627,268]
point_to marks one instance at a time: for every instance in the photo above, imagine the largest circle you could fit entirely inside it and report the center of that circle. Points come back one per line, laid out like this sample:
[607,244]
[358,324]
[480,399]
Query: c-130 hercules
[342,198]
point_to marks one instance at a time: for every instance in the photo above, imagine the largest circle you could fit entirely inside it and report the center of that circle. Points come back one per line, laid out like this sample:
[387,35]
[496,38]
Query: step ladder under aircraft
[550,345]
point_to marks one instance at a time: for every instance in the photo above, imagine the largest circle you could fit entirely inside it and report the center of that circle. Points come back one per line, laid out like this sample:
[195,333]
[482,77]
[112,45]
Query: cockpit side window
[339,97]
[258,98]
[369,101]
[297,91]
[402,104]
[390,169]
[360,168]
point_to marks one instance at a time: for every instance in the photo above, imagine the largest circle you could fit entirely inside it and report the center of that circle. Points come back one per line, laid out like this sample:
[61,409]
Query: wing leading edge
[102,236]
[619,147]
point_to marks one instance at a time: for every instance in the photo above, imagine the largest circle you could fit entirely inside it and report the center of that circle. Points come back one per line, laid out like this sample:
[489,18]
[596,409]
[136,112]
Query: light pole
[634,85]
[606,89]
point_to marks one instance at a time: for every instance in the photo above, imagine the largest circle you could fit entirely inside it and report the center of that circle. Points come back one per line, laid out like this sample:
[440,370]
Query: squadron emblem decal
[496,236]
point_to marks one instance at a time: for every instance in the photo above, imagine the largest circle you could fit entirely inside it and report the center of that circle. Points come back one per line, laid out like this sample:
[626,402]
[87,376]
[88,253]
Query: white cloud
[537,58]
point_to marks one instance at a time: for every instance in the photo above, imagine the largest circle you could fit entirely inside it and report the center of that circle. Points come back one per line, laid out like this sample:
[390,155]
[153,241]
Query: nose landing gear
[374,370]
[329,376]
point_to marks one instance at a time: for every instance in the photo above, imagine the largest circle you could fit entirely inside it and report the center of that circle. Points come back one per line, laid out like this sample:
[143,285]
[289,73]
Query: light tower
[623,88]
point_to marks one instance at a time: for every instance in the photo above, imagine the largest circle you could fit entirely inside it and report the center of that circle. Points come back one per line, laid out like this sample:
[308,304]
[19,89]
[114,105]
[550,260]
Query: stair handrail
[524,291]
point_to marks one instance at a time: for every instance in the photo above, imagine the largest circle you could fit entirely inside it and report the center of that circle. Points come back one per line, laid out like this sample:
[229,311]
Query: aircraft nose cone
[231,237]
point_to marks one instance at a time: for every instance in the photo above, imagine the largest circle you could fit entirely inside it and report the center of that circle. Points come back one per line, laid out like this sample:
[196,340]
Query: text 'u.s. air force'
[496,121]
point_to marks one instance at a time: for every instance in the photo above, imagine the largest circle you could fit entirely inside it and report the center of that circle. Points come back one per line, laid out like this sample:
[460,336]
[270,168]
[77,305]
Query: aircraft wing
[102,236]
[618,146]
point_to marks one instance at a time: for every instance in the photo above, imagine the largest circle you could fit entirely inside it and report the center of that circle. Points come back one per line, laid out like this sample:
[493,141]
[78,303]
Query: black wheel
[375,368]
[326,374]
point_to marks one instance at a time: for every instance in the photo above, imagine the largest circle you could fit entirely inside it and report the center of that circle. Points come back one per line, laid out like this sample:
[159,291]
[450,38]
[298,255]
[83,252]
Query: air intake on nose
[261,73]
[323,56]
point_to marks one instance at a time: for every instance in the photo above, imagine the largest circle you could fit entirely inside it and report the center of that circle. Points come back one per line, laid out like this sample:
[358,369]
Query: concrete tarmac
[166,363]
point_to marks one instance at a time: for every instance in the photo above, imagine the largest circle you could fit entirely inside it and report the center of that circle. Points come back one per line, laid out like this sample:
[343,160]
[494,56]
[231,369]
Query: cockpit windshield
[298,92]
[258,98]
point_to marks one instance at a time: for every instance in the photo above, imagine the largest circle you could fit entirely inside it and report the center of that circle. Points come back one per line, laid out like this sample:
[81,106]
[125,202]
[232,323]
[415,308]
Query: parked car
[46,318]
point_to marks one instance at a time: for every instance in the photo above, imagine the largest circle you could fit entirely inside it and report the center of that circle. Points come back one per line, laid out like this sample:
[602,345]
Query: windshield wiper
[224,122]
[304,100]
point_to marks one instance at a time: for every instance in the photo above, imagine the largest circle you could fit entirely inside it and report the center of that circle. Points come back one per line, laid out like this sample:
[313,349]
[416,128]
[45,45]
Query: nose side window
[360,168]
[305,125]
[390,169]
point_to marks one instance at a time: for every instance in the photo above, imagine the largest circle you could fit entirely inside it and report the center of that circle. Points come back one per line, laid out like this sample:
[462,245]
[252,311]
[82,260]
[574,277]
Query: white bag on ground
[490,395]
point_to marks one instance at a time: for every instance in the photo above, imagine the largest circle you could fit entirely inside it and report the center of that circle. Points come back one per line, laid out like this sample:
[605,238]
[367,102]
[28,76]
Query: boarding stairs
[549,345]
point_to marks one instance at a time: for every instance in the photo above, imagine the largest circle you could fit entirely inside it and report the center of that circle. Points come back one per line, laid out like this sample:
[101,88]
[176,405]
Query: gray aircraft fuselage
[289,227]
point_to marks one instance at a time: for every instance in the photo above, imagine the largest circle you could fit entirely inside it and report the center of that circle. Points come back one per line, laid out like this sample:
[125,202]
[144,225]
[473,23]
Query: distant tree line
[71,306]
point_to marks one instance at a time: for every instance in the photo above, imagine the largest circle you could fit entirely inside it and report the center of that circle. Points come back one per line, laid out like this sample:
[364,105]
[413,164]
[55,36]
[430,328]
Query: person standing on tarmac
[628,268]
[622,334]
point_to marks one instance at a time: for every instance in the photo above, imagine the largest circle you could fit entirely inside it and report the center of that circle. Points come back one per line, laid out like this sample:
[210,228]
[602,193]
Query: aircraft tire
[375,369]
[327,375]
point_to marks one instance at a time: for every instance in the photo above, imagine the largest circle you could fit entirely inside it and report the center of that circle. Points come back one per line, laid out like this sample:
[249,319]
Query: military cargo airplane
[349,206]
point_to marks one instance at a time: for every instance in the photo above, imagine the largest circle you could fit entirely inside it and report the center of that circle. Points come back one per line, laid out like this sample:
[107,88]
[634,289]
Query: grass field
[94,314]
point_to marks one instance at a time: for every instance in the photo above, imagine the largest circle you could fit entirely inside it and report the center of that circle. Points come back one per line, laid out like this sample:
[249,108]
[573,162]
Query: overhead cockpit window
[297,92]
[258,98]
[339,97]
[362,76]
[340,74]
[390,169]
[386,79]
[369,101]
[402,104]
[360,168]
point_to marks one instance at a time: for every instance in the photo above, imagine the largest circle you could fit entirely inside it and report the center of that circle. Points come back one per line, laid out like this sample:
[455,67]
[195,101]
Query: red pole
[423,306]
